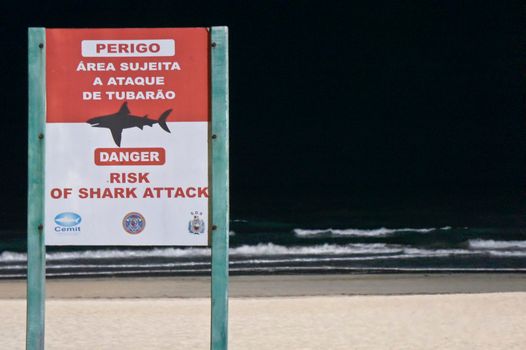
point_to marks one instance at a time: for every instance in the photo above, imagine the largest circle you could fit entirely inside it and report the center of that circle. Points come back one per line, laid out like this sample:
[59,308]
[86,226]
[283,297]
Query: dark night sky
[331,101]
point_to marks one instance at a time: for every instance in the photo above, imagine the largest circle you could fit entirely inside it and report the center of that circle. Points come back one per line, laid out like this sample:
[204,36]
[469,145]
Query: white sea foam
[354,232]
[252,260]
[267,249]
[8,256]
[251,250]
[111,254]
[273,251]
[420,252]
[491,244]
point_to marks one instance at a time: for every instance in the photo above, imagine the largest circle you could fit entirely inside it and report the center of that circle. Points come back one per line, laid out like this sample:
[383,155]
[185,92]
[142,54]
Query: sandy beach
[459,311]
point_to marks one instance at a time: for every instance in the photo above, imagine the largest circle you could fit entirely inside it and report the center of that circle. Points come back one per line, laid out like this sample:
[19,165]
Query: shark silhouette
[123,120]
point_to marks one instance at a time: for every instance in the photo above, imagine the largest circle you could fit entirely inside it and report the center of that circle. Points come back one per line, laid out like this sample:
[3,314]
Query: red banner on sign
[91,73]
[129,156]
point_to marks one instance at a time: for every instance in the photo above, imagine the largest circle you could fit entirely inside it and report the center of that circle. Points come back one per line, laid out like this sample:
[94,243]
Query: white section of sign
[128,48]
[70,164]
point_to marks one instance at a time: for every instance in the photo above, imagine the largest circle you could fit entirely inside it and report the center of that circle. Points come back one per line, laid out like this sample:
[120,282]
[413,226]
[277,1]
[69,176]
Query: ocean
[296,245]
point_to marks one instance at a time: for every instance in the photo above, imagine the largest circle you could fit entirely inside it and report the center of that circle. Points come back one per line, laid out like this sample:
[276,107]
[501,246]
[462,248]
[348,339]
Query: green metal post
[220,187]
[36,249]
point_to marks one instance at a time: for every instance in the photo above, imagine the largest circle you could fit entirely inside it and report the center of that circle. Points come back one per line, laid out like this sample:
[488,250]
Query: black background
[333,106]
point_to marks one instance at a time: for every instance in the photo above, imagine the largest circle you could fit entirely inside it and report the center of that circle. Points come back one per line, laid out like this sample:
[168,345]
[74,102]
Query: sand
[334,321]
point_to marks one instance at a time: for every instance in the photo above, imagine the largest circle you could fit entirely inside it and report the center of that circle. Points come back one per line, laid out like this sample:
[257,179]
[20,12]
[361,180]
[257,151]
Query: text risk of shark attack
[130,192]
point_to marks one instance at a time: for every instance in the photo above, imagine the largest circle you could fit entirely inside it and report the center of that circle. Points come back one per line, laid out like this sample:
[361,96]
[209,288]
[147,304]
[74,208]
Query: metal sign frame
[219,201]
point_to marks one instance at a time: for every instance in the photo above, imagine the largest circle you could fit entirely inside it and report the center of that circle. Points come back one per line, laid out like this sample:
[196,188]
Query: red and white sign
[127,136]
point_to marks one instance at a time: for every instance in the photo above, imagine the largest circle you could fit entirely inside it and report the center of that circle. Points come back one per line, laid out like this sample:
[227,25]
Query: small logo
[133,223]
[67,222]
[196,225]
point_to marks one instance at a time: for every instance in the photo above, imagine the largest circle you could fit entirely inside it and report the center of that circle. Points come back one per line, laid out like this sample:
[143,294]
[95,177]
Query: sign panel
[127,119]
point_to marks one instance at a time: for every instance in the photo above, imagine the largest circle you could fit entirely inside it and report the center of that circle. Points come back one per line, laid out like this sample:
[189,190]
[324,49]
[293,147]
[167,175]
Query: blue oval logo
[68,219]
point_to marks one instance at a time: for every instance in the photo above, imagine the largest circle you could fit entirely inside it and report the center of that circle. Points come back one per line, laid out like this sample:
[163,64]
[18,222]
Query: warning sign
[127,113]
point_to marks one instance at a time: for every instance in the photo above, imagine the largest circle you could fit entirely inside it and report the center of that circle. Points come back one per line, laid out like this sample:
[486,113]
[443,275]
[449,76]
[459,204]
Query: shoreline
[263,286]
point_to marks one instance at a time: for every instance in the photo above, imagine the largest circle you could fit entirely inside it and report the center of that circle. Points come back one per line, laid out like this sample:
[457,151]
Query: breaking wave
[111,254]
[353,232]
[333,249]
[244,250]
[491,244]
[375,250]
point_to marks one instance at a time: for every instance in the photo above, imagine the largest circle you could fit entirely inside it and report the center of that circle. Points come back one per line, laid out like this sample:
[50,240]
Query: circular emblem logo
[133,223]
